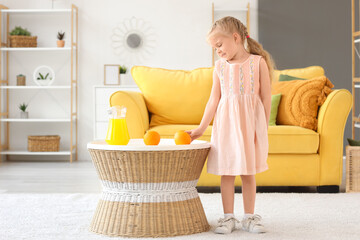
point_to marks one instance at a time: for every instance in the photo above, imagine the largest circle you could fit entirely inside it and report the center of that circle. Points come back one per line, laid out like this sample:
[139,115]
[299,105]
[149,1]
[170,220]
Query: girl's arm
[265,88]
[210,109]
[212,103]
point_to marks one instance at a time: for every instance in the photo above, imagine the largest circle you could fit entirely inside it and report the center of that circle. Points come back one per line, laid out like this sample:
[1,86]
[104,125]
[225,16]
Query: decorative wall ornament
[133,40]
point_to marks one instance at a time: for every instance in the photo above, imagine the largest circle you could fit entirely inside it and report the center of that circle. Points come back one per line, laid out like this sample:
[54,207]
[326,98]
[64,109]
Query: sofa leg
[328,189]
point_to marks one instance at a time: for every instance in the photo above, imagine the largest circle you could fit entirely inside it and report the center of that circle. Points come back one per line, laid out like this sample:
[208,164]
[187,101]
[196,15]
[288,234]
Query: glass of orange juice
[117,133]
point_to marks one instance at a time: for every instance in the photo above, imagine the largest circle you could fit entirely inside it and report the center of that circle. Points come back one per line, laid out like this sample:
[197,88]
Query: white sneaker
[252,224]
[226,225]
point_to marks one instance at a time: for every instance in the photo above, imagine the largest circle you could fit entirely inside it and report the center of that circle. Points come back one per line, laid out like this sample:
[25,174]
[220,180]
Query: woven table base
[149,219]
[149,193]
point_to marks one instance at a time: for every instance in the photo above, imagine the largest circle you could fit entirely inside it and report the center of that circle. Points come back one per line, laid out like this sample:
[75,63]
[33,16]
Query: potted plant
[122,70]
[353,142]
[21,37]
[60,42]
[20,80]
[23,113]
[43,79]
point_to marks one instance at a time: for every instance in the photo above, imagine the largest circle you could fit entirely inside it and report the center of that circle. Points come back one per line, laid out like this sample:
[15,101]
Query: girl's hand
[195,133]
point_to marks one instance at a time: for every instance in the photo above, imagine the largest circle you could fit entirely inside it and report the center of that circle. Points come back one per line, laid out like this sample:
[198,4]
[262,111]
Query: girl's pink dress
[239,140]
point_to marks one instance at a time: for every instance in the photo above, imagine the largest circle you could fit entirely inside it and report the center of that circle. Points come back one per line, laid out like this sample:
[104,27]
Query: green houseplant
[19,31]
[44,79]
[23,113]
[122,69]
[60,42]
[21,37]
[41,77]
[123,75]
[353,142]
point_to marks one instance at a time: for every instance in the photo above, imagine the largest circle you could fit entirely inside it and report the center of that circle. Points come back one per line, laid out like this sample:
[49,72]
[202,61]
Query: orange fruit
[181,137]
[151,138]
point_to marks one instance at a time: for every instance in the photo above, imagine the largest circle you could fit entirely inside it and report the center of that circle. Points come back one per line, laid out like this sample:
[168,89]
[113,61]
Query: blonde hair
[230,25]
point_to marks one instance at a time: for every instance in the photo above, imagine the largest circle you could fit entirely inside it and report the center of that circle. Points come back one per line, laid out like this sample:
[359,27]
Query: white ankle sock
[226,215]
[247,215]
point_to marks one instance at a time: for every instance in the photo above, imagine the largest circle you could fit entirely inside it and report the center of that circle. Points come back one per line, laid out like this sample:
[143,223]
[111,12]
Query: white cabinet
[101,102]
[63,91]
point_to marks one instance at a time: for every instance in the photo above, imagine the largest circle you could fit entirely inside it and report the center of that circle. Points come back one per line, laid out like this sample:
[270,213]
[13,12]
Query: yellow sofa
[297,156]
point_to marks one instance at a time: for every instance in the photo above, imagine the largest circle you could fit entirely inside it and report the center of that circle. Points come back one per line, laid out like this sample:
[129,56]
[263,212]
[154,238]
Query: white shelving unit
[5,51]
[36,10]
[35,120]
[36,49]
[36,87]
[22,152]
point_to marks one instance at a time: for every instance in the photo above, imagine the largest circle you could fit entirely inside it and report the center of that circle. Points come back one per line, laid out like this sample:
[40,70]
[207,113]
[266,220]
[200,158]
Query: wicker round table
[149,191]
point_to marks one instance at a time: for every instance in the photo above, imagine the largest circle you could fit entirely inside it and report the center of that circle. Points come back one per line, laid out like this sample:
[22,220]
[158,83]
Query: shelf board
[35,120]
[356,40]
[230,10]
[35,87]
[357,125]
[118,86]
[22,152]
[357,86]
[35,49]
[36,10]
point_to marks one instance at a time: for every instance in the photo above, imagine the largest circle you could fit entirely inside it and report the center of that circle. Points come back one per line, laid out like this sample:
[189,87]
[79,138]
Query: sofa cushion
[300,101]
[174,96]
[306,73]
[284,77]
[282,138]
[275,101]
[292,139]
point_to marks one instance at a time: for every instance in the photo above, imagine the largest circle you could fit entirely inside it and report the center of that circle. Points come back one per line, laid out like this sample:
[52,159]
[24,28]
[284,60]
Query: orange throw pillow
[300,101]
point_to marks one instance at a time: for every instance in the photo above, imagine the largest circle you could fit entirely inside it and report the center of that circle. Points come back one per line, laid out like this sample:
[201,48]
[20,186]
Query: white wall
[180,27]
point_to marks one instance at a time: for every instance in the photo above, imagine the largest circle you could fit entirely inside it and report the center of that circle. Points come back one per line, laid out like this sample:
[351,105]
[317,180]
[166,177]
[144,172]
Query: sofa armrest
[332,119]
[137,115]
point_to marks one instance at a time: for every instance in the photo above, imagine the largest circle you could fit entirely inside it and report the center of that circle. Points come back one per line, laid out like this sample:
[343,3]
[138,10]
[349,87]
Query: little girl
[240,104]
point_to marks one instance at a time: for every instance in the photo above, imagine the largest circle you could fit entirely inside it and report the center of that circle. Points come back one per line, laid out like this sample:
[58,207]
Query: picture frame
[111,74]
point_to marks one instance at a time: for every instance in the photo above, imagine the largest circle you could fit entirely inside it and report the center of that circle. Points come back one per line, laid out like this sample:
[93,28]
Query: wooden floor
[48,177]
[78,177]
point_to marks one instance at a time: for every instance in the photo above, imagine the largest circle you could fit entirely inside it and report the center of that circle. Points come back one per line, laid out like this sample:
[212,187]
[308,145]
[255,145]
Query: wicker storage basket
[352,168]
[46,143]
[149,193]
[23,41]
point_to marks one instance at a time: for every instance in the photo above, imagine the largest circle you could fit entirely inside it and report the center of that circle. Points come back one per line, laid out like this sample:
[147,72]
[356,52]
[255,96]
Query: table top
[139,145]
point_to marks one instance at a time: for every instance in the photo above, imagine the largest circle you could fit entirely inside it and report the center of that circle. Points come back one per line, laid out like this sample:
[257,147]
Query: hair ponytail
[256,48]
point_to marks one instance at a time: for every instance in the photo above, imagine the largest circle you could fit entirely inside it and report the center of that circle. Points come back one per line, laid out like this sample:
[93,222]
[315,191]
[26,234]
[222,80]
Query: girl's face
[225,45]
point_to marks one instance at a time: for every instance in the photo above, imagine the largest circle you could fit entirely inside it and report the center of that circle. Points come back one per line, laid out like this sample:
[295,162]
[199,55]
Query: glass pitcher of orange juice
[117,133]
